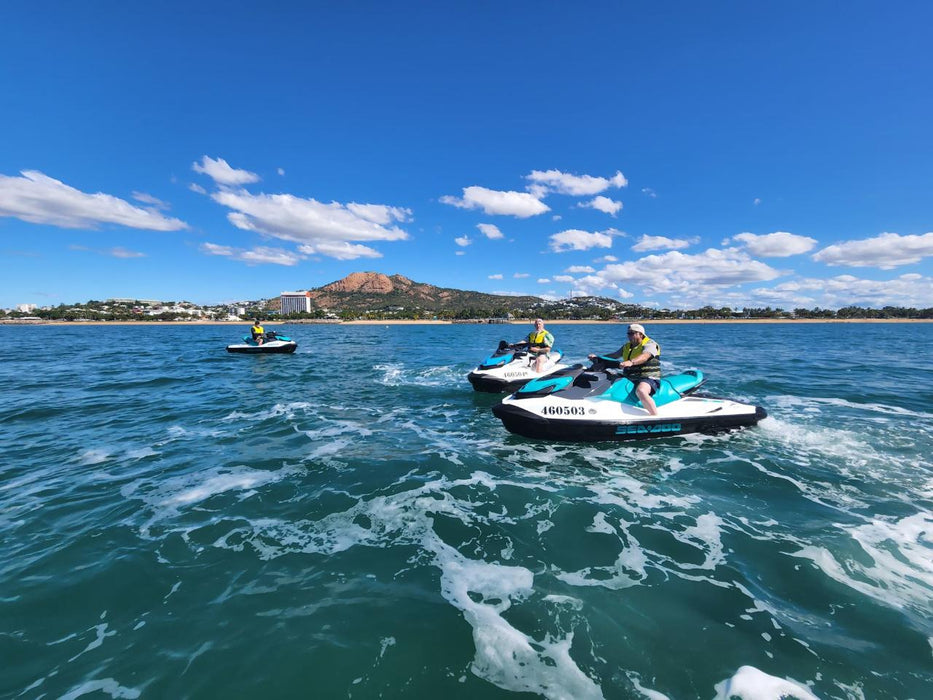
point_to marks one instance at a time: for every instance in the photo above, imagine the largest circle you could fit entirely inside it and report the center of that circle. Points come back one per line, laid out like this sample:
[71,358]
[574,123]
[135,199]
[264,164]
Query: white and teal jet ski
[594,404]
[272,343]
[509,367]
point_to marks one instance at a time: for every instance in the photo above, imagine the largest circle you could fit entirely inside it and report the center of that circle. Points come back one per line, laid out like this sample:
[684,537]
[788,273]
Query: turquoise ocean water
[352,521]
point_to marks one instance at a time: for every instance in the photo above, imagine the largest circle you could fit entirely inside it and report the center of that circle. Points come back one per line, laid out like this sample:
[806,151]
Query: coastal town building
[295,302]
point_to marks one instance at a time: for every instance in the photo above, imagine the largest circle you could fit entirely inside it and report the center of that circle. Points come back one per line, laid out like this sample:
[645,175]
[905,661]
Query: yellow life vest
[257,330]
[540,339]
[651,368]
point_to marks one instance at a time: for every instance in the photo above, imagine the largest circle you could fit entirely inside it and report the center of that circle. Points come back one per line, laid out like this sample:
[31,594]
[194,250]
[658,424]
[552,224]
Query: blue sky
[673,154]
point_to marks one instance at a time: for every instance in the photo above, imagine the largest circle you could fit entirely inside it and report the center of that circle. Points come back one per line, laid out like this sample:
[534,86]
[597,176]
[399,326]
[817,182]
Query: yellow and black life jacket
[651,368]
[257,331]
[540,339]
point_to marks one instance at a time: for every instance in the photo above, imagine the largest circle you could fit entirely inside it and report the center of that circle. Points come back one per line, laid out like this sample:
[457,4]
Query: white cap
[636,327]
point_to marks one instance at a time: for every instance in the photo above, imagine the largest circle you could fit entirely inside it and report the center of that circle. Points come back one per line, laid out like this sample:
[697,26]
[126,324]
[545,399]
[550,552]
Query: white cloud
[490,231]
[606,258]
[646,243]
[120,252]
[756,201]
[577,269]
[495,277]
[521,275]
[563,278]
[280,171]
[885,251]
[326,229]
[696,276]
[574,239]
[39,199]
[544,280]
[603,204]
[221,172]
[463,241]
[256,256]
[576,185]
[519,204]
[460,252]
[649,192]
[195,187]
[779,244]
[339,250]
[910,290]
[146,198]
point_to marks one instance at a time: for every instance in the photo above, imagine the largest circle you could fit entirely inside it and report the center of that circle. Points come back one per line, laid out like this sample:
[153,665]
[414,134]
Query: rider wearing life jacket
[539,343]
[258,332]
[641,359]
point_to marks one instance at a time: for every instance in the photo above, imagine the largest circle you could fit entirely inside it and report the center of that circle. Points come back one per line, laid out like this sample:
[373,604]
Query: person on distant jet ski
[539,343]
[640,357]
[257,331]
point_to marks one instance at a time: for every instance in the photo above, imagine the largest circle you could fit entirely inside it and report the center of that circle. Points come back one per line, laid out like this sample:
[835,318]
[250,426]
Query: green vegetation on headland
[580,308]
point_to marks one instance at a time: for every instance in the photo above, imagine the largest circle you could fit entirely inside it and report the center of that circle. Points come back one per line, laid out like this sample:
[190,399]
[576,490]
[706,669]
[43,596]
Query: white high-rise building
[295,302]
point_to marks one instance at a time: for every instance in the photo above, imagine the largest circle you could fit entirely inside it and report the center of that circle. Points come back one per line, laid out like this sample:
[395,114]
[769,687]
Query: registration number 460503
[563,411]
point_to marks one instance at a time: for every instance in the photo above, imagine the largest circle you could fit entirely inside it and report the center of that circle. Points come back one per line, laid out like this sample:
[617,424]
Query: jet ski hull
[596,404]
[275,347]
[520,421]
[507,370]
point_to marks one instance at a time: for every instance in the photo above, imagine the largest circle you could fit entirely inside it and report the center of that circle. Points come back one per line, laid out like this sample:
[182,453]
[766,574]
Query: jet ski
[594,404]
[272,343]
[509,367]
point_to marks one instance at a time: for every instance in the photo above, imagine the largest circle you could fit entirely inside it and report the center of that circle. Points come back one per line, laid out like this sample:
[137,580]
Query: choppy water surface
[352,521]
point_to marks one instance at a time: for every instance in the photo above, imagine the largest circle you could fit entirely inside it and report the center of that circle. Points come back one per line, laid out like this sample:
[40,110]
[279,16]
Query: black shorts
[655,384]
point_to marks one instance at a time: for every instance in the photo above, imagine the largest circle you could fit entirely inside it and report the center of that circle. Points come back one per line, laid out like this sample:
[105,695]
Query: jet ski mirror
[503,344]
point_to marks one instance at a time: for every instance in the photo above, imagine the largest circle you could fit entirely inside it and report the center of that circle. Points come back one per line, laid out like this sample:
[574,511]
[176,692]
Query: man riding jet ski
[511,365]
[601,403]
[269,342]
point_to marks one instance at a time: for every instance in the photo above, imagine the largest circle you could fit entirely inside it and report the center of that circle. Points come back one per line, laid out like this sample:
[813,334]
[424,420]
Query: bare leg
[540,362]
[644,395]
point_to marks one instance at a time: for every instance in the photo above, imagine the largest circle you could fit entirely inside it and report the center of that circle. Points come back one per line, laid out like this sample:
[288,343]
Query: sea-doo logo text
[647,429]
[563,411]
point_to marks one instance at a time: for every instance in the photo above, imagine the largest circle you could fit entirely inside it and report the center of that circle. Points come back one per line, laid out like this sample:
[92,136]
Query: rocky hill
[376,292]
[376,295]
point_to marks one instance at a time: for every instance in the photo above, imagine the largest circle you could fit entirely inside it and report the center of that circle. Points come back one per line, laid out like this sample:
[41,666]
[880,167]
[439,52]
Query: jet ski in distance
[594,404]
[272,343]
[510,367]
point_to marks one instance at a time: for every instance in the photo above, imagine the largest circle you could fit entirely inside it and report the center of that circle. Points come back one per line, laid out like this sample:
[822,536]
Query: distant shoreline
[518,322]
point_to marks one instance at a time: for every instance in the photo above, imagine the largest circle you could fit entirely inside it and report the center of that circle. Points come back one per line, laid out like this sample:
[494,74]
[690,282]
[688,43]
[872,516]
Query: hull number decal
[647,429]
[563,411]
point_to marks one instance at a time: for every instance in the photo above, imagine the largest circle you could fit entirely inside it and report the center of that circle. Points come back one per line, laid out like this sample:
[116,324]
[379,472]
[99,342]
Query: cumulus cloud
[577,269]
[39,199]
[521,275]
[495,277]
[563,278]
[220,172]
[256,256]
[575,185]
[885,251]
[575,239]
[910,290]
[606,258]
[518,204]
[339,250]
[490,231]
[463,241]
[603,204]
[696,276]
[195,187]
[544,280]
[326,229]
[646,243]
[779,244]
